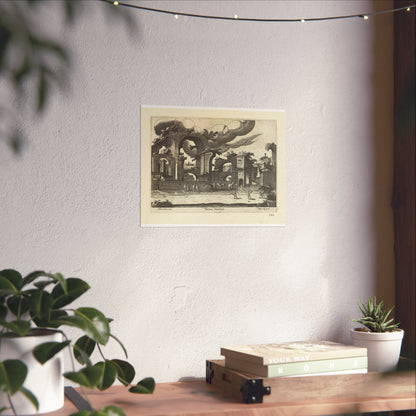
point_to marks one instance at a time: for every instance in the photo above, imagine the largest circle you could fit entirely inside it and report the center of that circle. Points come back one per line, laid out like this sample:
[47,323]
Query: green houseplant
[39,303]
[380,334]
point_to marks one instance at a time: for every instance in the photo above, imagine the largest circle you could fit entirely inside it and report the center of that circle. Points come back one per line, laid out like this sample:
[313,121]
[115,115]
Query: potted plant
[380,335]
[34,310]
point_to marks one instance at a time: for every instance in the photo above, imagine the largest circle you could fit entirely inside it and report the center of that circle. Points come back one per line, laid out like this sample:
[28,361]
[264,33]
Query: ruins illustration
[188,162]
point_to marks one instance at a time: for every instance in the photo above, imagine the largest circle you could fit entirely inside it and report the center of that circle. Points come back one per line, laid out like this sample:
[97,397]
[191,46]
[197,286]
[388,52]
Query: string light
[249,19]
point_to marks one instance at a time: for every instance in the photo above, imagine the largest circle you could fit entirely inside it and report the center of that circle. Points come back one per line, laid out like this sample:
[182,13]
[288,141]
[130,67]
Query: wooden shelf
[308,396]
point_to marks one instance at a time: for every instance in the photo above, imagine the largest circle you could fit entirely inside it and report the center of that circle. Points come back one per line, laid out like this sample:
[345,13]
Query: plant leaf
[83,349]
[75,288]
[83,413]
[88,376]
[108,374]
[94,326]
[110,411]
[55,316]
[12,375]
[40,304]
[18,305]
[75,321]
[125,371]
[19,327]
[13,276]
[45,351]
[6,287]
[30,396]
[105,411]
[98,328]
[3,312]
[145,386]
[31,277]
[43,89]
[54,277]
[20,73]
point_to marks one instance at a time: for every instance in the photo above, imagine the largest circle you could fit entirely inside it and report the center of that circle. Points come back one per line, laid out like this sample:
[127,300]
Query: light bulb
[176,16]
[236,16]
[115,3]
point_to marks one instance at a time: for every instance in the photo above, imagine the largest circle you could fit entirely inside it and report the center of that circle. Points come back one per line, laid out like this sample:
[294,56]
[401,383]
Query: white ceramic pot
[44,381]
[383,348]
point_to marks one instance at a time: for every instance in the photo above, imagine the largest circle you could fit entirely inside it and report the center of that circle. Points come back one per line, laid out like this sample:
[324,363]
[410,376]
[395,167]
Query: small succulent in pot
[381,335]
[375,317]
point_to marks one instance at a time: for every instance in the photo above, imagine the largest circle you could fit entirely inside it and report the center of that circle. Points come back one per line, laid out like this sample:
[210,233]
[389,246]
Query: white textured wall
[71,202]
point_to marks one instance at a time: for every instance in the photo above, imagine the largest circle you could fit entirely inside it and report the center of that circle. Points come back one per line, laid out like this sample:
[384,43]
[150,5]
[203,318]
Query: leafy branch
[40,301]
[31,60]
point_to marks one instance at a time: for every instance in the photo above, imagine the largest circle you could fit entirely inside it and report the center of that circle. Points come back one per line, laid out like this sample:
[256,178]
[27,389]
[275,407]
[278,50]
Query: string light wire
[176,14]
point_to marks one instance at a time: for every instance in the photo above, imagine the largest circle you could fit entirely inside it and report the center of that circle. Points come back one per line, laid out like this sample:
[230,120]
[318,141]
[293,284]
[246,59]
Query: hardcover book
[292,352]
[345,365]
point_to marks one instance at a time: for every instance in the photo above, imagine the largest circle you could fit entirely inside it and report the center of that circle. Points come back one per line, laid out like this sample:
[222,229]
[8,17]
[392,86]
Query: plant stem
[73,369]
[11,404]
[101,353]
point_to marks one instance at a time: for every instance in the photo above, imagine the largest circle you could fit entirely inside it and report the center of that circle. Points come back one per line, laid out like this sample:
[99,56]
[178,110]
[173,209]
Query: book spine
[309,367]
[313,367]
[333,373]
[261,358]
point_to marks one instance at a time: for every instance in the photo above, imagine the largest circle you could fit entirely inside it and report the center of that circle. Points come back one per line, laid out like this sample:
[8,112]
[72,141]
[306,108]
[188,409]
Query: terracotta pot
[44,381]
[383,348]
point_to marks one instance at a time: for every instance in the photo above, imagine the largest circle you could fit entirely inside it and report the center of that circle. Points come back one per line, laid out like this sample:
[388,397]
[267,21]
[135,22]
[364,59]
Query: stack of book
[296,359]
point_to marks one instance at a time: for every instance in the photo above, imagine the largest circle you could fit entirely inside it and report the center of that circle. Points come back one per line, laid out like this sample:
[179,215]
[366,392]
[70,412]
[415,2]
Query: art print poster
[206,166]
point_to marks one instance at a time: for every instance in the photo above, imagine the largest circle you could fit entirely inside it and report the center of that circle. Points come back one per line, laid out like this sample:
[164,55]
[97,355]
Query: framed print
[207,167]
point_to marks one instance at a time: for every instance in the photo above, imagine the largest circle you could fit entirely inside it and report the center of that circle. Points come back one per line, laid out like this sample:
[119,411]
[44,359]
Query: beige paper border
[228,217]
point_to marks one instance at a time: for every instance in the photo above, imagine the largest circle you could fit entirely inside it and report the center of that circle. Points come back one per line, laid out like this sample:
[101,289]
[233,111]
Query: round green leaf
[40,303]
[31,277]
[110,411]
[29,395]
[13,276]
[97,327]
[108,374]
[12,375]
[45,351]
[83,349]
[7,287]
[88,376]
[18,327]
[125,371]
[18,305]
[55,315]
[145,386]
[105,411]
[75,288]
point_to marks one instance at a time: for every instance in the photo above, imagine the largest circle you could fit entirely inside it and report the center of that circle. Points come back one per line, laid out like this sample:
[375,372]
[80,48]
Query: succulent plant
[375,317]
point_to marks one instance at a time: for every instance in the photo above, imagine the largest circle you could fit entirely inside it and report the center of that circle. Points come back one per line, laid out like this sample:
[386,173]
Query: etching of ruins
[205,163]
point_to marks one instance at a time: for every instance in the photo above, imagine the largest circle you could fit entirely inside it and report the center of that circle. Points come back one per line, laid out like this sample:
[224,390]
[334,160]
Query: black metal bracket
[77,399]
[209,372]
[253,391]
